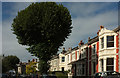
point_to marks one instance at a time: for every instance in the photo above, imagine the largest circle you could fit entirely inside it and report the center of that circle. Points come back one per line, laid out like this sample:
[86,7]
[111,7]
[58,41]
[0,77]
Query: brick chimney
[98,32]
[63,48]
[88,38]
[101,27]
[81,43]
[70,49]
[28,61]
[33,60]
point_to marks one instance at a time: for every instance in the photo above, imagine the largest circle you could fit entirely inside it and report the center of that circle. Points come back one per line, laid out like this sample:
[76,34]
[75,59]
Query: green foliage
[43,27]
[9,63]
[31,67]
[43,65]
[61,75]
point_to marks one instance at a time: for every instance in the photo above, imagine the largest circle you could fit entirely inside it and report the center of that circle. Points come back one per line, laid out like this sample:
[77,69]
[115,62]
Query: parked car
[45,76]
[23,76]
[107,74]
[4,75]
[48,76]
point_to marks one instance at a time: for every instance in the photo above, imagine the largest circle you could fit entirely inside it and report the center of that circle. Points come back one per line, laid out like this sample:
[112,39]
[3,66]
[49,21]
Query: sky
[86,20]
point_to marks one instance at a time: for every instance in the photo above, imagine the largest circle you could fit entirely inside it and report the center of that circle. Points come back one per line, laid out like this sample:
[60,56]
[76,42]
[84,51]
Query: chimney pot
[88,38]
[101,27]
[63,48]
[70,49]
[28,61]
[98,32]
[81,43]
[33,60]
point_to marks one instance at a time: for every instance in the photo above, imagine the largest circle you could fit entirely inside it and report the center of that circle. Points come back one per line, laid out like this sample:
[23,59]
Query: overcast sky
[86,20]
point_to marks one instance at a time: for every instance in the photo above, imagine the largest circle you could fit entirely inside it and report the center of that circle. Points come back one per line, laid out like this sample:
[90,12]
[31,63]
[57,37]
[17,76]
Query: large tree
[9,63]
[43,27]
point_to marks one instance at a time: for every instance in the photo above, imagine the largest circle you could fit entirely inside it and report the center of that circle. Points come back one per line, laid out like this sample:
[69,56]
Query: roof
[80,60]
[75,48]
[95,39]
[55,57]
[73,62]
[69,51]
[116,29]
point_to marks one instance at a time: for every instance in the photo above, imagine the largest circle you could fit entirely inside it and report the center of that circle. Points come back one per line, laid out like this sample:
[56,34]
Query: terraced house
[100,53]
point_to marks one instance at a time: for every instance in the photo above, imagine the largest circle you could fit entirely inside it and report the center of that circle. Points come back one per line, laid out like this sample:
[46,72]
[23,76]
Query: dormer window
[102,42]
[110,41]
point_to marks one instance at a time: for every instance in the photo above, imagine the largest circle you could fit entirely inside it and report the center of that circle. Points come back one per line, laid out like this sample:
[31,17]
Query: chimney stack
[98,32]
[88,38]
[81,43]
[101,27]
[28,61]
[33,60]
[70,49]
[63,48]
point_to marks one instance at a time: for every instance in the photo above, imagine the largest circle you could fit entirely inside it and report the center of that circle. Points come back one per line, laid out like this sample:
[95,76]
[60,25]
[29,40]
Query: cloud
[86,25]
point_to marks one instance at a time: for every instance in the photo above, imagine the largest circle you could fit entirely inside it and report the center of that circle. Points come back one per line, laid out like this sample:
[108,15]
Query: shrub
[61,75]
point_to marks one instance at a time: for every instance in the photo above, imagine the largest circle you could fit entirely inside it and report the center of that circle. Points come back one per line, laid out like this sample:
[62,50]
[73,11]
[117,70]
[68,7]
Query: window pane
[94,49]
[110,38]
[110,64]
[102,45]
[110,41]
[110,44]
[83,69]
[102,64]
[102,42]
[94,67]
[110,68]
[102,39]
[63,59]
[110,61]
[68,57]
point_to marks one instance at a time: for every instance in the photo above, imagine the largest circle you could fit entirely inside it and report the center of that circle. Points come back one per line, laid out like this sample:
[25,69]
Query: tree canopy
[43,27]
[9,63]
[31,67]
